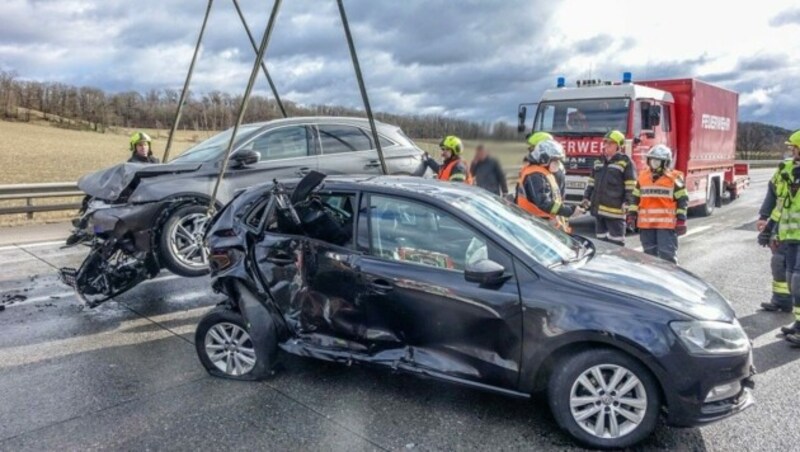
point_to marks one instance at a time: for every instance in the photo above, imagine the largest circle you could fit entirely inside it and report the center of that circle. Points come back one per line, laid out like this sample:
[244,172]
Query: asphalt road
[125,375]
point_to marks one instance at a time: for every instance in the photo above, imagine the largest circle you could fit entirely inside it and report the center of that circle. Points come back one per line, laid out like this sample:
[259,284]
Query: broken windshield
[588,116]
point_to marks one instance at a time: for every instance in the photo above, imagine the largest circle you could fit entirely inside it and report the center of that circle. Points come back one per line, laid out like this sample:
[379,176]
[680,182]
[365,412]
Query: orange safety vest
[522,200]
[657,204]
[445,171]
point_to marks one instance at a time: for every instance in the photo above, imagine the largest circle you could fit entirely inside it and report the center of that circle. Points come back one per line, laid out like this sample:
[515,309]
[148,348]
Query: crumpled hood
[640,275]
[109,183]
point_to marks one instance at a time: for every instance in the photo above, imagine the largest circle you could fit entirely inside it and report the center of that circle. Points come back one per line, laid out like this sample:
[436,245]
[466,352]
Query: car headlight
[712,338]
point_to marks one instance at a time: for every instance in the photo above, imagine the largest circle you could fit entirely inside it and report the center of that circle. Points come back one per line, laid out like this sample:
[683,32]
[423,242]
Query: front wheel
[181,241]
[604,398]
[225,348]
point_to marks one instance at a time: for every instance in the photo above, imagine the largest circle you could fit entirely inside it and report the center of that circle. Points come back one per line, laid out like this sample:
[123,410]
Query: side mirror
[523,111]
[245,158]
[485,272]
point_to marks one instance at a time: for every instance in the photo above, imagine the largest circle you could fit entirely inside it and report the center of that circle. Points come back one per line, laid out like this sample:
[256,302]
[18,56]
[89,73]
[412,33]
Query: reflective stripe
[657,211]
[617,167]
[781,288]
[681,193]
[680,212]
[636,192]
[797,313]
[556,207]
[458,177]
[633,208]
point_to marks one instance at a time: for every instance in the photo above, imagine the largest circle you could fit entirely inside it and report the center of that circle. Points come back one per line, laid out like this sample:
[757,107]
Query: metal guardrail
[29,192]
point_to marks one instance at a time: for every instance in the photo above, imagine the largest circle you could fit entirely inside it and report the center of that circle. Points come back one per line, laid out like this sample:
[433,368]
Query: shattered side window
[412,232]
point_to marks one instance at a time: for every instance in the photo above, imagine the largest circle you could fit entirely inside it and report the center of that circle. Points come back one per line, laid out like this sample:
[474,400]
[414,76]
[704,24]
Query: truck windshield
[588,116]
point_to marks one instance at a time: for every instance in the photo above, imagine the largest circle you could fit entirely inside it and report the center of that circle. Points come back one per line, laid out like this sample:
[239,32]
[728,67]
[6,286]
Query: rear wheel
[604,398]
[226,350]
[181,242]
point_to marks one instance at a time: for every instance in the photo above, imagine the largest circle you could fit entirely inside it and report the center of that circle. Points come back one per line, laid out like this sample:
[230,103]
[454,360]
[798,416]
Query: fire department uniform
[787,186]
[770,210]
[453,169]
[660,201]
[538,193]
[609,188]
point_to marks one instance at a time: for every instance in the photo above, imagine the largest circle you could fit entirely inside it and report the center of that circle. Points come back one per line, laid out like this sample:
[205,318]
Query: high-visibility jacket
[558,221]
[787,191]
[661,200]
[446,172]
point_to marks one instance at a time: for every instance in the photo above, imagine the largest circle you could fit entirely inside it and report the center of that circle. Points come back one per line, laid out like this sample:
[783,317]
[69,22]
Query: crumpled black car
[447,281]
[161,208]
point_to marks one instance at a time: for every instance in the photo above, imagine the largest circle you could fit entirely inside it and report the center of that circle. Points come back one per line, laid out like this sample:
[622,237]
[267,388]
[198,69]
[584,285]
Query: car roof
[362,122]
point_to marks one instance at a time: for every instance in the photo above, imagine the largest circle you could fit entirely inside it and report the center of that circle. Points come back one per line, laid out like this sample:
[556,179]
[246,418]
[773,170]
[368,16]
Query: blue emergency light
[560,82]
[626,77]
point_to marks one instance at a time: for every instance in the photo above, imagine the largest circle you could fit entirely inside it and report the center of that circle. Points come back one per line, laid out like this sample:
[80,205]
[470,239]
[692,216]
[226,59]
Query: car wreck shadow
[469,416]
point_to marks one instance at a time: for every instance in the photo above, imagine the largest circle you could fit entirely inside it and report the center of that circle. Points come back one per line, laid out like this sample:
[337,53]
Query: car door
[313,277]
[285,152]
[346,149]
[413,284]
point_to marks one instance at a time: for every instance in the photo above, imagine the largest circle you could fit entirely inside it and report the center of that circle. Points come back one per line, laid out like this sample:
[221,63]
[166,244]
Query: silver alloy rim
[230,349]
[186,240]
[608,401]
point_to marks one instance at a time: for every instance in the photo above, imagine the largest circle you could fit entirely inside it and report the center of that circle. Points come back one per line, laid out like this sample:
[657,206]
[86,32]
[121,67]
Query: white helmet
[546,151]
[662,153]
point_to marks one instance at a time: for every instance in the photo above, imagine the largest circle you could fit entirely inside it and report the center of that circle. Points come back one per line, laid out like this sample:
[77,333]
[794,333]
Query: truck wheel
[181,244]
[711,202]
[226,350]
[604,398]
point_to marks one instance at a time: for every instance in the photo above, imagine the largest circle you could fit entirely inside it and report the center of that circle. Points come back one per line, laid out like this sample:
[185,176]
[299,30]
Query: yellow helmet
[616,137]
[538,137]
[139,137]
[794,139]
[452,143]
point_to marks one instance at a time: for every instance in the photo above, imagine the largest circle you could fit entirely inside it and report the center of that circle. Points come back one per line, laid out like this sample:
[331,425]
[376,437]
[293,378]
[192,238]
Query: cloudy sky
[475,59]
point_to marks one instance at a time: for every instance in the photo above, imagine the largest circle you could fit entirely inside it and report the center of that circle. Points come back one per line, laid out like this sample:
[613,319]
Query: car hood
[634,273]
[108,184]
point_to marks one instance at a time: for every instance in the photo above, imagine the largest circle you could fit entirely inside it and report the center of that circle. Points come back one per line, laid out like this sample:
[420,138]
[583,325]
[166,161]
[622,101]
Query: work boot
[771,306]
[793,328]
[794,339]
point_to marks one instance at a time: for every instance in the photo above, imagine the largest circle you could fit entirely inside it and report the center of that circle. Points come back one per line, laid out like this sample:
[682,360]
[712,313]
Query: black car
[448,281]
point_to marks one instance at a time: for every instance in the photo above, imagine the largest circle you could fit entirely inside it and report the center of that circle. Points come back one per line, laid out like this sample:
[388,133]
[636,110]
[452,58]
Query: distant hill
[758,140]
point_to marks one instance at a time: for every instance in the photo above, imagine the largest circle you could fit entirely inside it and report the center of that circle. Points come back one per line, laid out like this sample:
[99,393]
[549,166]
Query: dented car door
[413,285]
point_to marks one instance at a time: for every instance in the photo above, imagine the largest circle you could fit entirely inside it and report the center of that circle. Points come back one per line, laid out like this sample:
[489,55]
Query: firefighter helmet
[662,153]
[546,151]
[452,143]
[616,137]
[794,139]
[139,137]
[538,137]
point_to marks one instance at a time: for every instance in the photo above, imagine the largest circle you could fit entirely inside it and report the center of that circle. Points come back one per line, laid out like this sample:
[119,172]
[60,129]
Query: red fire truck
[695,119]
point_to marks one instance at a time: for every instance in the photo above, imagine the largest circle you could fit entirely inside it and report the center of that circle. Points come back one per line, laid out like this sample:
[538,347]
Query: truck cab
[670,112]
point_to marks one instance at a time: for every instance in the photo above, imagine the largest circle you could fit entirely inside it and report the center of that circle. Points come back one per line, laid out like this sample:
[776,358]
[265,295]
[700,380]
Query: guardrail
[29,192]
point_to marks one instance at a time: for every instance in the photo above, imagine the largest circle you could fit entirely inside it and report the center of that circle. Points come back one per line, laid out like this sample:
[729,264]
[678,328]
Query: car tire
[583,408]
[226,350]
[181,241]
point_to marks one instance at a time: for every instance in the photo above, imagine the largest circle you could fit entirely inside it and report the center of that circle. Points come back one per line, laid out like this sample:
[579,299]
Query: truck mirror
[629,148]
[523,111]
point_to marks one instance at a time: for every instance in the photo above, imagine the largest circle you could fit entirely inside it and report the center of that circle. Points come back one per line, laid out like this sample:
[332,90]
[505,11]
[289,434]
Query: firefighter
[610,188]
[767,225]
[560,175]
[537,189]
[787,185]
[140,149]
[452,168]
[659,204]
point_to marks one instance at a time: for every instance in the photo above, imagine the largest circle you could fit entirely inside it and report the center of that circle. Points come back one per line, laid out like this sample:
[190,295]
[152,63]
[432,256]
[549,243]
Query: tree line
[94,109]
[758,140]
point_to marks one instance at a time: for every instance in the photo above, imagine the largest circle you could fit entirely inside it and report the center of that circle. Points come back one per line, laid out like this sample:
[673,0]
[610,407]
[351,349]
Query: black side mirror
[654,117]
[523,111]
[245,158]
[486,272]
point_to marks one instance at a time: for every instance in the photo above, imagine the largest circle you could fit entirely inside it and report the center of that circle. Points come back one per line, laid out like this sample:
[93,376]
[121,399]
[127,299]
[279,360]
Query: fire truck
[695,119]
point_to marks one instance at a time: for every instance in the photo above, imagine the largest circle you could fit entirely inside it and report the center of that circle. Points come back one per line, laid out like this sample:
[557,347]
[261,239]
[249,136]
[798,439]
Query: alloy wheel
[230,349]
[186,240]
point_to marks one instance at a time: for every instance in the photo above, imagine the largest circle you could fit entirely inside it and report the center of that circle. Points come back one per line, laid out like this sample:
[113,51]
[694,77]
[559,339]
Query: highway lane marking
[31,245]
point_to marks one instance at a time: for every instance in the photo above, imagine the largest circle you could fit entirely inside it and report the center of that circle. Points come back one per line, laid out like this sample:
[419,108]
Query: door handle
[381,286]
[303,171]
[280,259]
[372,164]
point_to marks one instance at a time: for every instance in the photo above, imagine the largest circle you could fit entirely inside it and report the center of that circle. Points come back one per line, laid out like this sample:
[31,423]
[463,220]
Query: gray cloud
[787,17]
